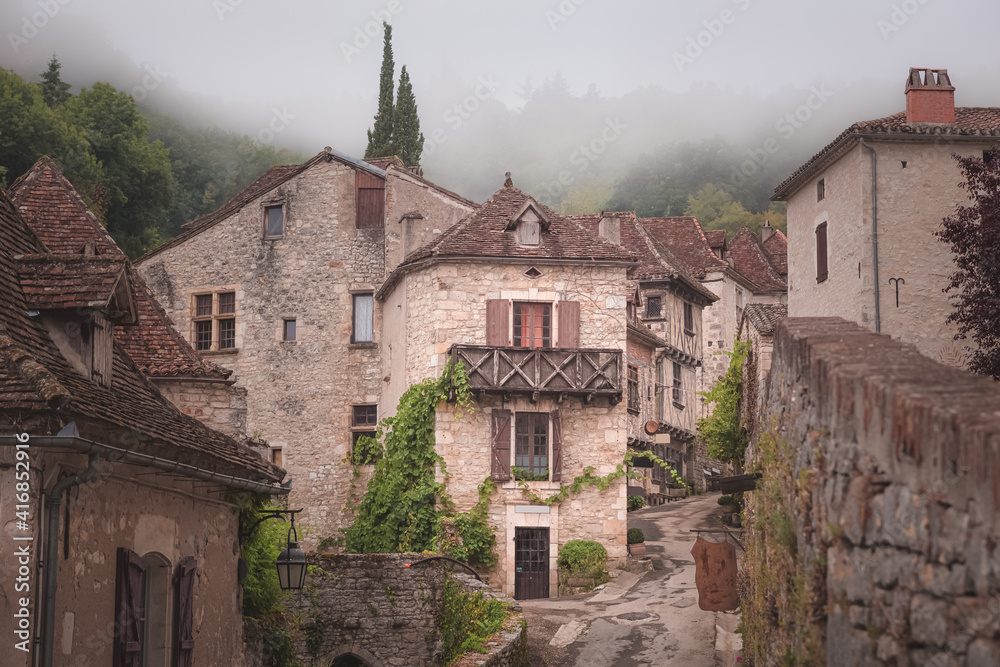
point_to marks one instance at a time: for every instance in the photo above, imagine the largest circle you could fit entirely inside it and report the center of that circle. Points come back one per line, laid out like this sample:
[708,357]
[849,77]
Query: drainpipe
[52,553]
[878,318]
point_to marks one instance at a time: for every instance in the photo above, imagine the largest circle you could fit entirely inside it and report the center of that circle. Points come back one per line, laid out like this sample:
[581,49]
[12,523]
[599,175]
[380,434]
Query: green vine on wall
[723,430]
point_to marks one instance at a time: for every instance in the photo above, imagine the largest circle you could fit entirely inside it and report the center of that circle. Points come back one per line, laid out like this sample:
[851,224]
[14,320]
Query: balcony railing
[582,372]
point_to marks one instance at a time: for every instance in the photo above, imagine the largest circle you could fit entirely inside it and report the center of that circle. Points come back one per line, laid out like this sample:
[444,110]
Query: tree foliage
[380,136]
[407,139]
[55,91]
[723,430]
[716,209]
[973,232]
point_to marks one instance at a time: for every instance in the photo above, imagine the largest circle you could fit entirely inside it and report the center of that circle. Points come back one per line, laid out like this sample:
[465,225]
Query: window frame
[689,318]
[267,208]
[677,392]
[365,426]
[284,329]
[531,420]
[820,189]
[518,325]
[822,259]
[355,339]
[218,322]
[646,312]
[634,397]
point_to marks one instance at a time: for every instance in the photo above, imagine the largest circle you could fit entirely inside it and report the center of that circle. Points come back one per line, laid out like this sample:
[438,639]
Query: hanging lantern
[291,563]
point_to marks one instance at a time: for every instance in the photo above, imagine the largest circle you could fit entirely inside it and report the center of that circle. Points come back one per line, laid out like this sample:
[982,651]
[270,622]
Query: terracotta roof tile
[716,238]
[969,122]
[764,316]
[776,248]
[35,379]
[59,282]
[750,259]
[57,214]
[684,236]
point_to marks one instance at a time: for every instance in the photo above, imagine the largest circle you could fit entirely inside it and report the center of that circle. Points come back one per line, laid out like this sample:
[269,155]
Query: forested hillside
[142,175]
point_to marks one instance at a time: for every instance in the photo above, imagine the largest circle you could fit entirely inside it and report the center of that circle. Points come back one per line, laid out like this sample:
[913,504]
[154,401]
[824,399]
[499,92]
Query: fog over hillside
[567,95]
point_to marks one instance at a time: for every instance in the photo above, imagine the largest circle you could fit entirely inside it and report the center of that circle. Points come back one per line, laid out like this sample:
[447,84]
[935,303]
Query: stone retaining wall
[886,468]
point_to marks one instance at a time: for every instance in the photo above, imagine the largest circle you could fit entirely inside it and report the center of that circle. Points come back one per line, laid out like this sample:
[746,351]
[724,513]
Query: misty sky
[237,63]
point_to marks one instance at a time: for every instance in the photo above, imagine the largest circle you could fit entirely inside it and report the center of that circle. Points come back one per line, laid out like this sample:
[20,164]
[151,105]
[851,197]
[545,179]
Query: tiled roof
[716,238]
[384,162]
[657,256]
[483,234]
[685,238]
[60,282]
[969,122]
[58,216]
[776,248]
[764,316]
[36,381]
[750,259]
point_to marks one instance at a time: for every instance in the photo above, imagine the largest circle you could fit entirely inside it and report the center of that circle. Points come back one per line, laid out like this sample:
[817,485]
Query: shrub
[582,555]
[635,536]
[467,619]
[635,503]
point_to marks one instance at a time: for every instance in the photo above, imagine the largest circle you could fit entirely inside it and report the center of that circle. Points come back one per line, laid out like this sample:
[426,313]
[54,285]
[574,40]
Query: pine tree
[380,136]
[54,90]
[407,139]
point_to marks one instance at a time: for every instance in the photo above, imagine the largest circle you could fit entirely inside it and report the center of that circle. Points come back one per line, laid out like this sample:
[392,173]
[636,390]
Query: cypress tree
[380,136]
[54,90]
[407,139]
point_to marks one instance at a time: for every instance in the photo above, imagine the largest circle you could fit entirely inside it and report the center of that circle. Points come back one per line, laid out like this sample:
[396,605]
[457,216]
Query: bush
[635,536]
[467,620]
[635,503]
[582,555]
[735,500]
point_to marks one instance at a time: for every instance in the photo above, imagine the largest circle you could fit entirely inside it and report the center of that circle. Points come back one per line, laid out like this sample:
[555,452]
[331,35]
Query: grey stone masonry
[895,459]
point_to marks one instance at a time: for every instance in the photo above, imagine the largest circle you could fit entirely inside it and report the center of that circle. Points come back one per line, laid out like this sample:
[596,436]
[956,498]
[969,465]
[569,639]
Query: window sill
[534,486]
[646,318]
[274,238]
[220,353]
[362,346]
[688,332]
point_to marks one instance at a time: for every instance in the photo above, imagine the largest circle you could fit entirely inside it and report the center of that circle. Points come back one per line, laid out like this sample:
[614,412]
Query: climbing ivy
[723,430]
[476,538]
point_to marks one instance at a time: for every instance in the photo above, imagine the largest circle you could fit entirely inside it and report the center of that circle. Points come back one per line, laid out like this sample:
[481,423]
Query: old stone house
[863,211]
[278,285]
[122,548]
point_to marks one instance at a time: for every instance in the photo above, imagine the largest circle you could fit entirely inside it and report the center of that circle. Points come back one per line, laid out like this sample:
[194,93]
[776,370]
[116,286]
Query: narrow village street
[641,619]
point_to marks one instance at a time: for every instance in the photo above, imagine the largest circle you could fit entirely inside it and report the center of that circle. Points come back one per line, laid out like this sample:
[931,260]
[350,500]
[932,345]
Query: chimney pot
[930,97]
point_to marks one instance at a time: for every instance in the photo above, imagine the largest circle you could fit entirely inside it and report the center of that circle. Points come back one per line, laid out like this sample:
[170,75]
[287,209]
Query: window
[988,157]
[277,456]
[822,268]
[633,389]
[820,189]
[215,322]
[654,307]
[370,198]
[528,233]
[688,319]
[677,391]
[531,446]
[274,222]
[364,446]
[532,324]
[288,330]
[364,314]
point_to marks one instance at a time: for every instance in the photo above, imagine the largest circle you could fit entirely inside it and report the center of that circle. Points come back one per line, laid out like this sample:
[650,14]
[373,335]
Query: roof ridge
[33,373]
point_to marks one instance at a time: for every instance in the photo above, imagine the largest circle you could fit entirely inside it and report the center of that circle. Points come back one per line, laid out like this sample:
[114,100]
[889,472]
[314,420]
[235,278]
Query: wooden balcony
[561,372]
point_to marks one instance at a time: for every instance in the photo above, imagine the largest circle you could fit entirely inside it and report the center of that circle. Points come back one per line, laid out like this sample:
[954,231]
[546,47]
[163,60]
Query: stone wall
[218,405]
[377,608]
[873,532]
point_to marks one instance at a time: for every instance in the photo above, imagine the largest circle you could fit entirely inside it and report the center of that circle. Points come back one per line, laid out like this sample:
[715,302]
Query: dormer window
[528,224]
[528,232]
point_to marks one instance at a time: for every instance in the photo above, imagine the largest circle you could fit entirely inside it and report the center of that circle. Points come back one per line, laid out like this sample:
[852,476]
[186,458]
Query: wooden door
[531,563]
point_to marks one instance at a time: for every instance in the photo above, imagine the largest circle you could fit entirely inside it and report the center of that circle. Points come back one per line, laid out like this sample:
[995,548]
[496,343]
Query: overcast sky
[238,62]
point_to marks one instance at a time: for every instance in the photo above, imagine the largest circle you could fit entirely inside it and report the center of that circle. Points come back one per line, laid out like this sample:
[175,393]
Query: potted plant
[636,542]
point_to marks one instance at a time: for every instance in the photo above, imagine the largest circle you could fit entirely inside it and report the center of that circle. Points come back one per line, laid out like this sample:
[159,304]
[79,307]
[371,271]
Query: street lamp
[291,563]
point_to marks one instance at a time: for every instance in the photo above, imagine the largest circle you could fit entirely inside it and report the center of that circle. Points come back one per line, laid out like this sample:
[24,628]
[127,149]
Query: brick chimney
[930,97]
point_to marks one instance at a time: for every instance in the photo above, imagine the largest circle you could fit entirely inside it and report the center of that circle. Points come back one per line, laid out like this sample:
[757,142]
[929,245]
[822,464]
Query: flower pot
[637,550]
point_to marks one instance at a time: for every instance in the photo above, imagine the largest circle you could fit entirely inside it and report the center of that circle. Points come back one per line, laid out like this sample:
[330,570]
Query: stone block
[929,620]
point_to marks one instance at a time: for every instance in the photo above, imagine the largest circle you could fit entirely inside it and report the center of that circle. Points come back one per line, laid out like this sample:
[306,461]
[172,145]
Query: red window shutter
[370,195]
[822,264]
[497,317]
[500,455]
[184,648]
[130,589]
[569,324]
[556,447]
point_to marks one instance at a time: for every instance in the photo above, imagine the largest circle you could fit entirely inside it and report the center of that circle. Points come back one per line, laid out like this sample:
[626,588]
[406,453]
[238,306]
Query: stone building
[277,286]
[863,211]
[536,308]
[121,545]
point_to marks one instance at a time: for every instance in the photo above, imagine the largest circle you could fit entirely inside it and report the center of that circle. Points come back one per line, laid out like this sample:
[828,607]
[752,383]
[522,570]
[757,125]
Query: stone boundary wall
[375,607]
[890,472]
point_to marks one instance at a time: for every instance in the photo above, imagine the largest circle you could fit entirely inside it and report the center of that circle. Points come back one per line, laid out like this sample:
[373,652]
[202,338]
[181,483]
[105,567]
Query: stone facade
[444,303]
[884,464]
[302,392]
[160,518]
[218,405]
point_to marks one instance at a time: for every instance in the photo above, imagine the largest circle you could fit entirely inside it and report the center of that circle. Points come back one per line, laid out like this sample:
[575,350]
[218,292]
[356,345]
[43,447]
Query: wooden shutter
[370,200]
[556,447]
[497,318]
[103,342]
[569,324]
[500,455]
[184,646]
[822,265]
[130,589]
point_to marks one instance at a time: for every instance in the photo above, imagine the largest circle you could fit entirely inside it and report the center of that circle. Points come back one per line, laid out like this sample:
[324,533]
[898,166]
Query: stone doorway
[531,563]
